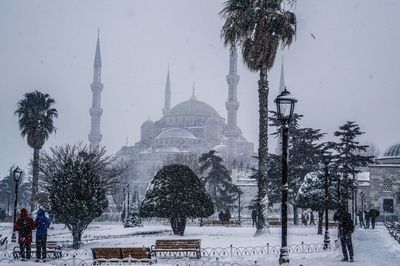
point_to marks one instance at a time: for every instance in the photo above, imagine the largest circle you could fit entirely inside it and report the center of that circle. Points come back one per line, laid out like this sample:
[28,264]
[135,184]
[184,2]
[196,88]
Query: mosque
[189,128]
[379,187]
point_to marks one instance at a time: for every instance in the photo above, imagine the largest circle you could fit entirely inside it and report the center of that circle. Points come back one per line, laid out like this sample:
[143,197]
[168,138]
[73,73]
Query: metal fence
[209,256]
[394,230]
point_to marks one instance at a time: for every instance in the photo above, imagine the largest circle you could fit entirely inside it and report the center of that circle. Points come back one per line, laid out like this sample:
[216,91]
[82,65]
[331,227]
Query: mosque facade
[379,188]
[189,129]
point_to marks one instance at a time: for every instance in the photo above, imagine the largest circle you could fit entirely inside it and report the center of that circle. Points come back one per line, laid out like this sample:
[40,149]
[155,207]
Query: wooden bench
[230,223]
[121,255]
[177,248]
[53,249]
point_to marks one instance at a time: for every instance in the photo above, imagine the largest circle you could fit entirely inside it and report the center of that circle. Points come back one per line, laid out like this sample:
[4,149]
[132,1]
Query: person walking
[346,228]
[254,217]
[360,217]
[24,226]
[312,222]
[42,224]
[366,215]
[373,213]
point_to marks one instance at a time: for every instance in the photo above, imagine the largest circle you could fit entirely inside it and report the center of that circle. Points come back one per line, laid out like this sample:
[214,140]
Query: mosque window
[387,184]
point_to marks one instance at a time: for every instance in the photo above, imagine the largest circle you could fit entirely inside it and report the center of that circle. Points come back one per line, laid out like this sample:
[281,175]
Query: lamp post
[285,105]
[326,236]
[127,188]
[239,193]
[17,173]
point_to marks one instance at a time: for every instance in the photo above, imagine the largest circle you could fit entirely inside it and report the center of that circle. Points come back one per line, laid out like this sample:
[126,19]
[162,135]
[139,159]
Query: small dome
[221,148]
[148,123]
[392,151]
[176,133]
[193,107]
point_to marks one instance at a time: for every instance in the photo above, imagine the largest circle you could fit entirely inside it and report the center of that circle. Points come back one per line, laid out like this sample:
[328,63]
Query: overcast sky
[350,71]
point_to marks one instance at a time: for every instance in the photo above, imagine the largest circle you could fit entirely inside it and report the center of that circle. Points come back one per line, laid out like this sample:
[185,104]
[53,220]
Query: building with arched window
[382,188]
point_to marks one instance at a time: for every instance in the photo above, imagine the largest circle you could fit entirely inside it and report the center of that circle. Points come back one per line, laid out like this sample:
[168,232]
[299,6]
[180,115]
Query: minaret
[96,111]
[282,86]
[167,100]
[232,105]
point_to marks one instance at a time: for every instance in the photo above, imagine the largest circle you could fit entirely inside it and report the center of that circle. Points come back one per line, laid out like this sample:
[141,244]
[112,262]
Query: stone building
[380,187]
[190,128]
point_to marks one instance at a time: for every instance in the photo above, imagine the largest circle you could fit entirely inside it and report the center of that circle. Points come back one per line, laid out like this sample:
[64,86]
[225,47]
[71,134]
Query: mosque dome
[193,107]
[393,151]
[221,148]
[176,133]
[148,123]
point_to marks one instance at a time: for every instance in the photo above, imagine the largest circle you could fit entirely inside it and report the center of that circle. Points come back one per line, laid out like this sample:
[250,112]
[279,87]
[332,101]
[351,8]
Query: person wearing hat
[24,226]
[42,224]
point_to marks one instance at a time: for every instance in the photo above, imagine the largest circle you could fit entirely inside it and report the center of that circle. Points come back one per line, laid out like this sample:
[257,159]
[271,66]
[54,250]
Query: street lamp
[326,236]
[127,188]
[17,173]
[285,105]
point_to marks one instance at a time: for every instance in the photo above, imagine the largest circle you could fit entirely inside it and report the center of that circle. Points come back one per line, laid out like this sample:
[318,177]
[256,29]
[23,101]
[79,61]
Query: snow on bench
[177,248]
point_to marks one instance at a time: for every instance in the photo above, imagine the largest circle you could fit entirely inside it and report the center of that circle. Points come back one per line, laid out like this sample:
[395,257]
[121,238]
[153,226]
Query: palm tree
[35,119]
[259,27]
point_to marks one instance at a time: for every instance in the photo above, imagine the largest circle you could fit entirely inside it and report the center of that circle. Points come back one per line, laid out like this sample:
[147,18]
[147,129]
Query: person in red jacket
[24,226]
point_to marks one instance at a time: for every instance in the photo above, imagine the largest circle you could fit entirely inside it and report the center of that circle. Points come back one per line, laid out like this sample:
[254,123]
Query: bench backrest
[106,253]
[49,245]
[178,243]
[136,253]
[121,253]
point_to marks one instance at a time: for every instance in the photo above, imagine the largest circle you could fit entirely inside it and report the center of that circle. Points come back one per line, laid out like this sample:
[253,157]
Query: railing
[84,256]
[394,230]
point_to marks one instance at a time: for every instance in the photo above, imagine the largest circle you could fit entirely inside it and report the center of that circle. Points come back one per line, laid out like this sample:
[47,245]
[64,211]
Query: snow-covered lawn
[372,247]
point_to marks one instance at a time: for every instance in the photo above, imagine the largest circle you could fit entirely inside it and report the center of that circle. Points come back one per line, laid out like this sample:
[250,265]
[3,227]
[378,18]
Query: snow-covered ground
[372,247]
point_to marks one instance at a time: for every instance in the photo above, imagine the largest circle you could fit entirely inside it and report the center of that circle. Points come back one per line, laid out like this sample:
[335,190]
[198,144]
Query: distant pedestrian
[373,213]
[312,222]
[366,215]
[254,217]
[221,216]
[24,226]
[227,216]
[360,217]
[346,228]
[303,219]
[42,224]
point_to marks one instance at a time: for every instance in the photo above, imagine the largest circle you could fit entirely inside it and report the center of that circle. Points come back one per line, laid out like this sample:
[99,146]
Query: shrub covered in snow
[176,193]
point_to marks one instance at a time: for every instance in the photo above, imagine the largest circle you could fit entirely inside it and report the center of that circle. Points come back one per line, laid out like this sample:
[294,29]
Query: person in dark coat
[42,224]
[366,215]
[312,222]
[360,218]
[24,226]
[221,216]
[254,216]
[346,228]
[373,213]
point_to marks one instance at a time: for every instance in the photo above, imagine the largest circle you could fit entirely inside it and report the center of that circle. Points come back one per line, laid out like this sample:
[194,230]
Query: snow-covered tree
[7,191]
[76,179]
[349,157]
[133,219]
[176,193]
[36,116]
[218,181]
[311,195]
[259,27]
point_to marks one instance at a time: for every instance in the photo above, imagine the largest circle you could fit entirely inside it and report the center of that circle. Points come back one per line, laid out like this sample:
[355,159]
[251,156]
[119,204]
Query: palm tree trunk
[35,177]
[263,91]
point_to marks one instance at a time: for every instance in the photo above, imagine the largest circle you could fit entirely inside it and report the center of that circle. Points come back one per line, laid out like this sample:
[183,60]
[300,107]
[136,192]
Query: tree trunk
[35,177]
[178,225]
[76,237]
[263,91]
[295,218]
[320,219]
